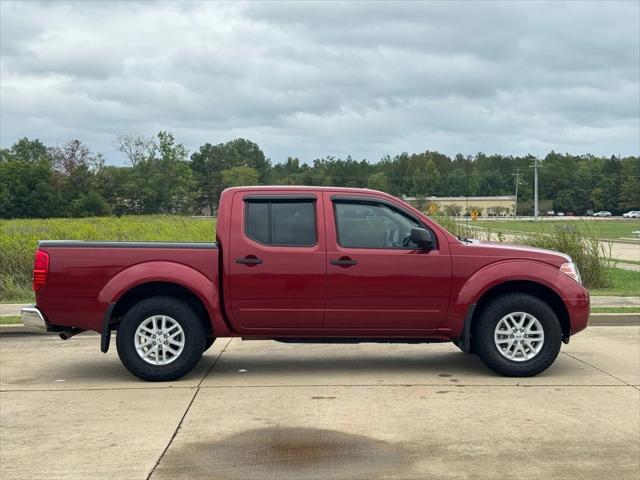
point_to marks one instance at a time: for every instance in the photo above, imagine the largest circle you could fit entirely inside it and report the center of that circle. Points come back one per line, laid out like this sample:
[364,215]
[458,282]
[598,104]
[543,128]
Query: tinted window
[370,225]
[288,222]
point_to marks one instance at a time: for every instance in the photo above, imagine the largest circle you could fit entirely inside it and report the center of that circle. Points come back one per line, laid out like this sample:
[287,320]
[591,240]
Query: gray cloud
[317,78]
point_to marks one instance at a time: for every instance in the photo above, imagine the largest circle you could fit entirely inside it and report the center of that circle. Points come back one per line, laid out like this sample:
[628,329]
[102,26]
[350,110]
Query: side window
[372,225]
[281,222]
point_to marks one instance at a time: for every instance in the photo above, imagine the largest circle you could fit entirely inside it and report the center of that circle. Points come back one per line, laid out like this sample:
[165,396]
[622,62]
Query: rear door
[277,261]
[376,279]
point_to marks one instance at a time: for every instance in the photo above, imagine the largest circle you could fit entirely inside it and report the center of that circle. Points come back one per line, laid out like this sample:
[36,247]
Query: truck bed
[85,276]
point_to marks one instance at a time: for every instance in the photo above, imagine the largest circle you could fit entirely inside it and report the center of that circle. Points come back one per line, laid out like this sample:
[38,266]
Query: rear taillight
[40,269]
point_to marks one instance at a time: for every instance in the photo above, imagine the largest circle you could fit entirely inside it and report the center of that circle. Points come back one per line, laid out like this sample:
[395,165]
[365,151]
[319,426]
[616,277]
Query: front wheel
[160,339]
[518,335]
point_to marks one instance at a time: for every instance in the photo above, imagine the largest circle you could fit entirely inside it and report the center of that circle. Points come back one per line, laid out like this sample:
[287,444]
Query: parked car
[311,264]
[602,213]
[632,214]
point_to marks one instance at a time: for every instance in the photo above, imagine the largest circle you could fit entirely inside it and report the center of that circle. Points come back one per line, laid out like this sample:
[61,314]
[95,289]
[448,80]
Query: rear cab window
[281,220]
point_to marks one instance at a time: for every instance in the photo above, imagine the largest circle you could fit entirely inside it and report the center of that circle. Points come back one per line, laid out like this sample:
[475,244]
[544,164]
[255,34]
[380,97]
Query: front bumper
[32,318]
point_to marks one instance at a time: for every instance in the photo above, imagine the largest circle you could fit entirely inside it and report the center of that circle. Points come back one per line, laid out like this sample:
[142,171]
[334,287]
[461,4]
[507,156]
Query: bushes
[591,255]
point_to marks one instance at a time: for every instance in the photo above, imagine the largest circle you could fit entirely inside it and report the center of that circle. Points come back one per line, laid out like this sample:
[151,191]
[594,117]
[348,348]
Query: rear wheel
[517,335]
[160,339]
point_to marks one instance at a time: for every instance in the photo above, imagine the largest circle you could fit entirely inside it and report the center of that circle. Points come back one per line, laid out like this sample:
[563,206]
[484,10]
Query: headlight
[570,269]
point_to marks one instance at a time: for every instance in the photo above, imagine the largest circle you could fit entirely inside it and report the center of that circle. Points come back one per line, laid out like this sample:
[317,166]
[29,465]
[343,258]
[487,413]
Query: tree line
[161,177]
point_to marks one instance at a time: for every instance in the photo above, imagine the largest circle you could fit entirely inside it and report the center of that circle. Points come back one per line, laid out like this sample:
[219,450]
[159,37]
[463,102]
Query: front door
[277,262]
[377,279]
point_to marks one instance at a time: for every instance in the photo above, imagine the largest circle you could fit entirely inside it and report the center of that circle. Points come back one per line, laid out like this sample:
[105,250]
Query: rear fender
[169,272]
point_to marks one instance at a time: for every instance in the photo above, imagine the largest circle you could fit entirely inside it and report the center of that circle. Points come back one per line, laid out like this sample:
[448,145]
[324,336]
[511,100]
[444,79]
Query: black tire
[484,329]
[208,342]
[194,339]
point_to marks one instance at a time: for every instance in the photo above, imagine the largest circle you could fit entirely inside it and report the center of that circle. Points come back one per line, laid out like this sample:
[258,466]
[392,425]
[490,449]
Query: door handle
[343,261]
[249,260]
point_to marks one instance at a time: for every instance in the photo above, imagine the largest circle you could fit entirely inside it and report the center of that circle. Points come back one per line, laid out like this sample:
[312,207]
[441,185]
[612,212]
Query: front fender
[169,272]
[492,275]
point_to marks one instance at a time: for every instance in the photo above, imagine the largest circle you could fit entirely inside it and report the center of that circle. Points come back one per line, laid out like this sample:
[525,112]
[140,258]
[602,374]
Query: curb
[595,320]
[614,319]
[628,241]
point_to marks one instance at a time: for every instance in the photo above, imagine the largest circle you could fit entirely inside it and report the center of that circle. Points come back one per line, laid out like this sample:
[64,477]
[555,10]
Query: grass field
[603,228]
[615,309]
[12,320]
[622,282]
[18,240]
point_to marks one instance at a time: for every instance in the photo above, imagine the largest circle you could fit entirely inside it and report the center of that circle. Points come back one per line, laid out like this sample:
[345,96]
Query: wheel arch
[160,278]
[538,290]
[168,289]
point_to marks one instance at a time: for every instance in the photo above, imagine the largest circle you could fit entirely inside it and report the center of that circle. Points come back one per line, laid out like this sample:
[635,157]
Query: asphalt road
[263,410]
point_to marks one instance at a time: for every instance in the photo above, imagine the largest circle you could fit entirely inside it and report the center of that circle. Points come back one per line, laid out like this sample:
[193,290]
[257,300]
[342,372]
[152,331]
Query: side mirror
[423,238]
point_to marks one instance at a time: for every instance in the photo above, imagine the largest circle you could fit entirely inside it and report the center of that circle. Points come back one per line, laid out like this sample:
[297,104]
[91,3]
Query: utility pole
[517,175]
[535,187]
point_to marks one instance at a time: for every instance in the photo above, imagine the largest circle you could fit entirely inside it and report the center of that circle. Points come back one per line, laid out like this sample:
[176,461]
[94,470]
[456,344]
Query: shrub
[589,253]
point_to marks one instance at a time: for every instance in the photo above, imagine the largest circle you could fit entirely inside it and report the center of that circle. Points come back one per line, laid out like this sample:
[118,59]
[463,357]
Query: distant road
[625,251]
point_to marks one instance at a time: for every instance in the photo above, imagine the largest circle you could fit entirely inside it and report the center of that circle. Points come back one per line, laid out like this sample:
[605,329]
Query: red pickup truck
[311,264]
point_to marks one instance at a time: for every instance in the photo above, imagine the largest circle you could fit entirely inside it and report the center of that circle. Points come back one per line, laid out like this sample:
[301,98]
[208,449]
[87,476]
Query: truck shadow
[396,366]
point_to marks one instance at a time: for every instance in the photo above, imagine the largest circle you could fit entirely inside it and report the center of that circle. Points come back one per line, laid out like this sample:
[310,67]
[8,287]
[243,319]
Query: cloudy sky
[326,78]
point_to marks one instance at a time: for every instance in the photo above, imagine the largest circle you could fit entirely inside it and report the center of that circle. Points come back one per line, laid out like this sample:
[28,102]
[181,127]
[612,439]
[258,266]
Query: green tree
[25,181]
[27,150]
[630,186]
[239,176]
[210,161]
[163,180]
[25,189]
[288,173]
[378,181]
[89,205]
[117,185]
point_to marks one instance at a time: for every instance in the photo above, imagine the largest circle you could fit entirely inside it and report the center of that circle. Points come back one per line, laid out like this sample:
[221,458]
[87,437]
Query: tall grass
[592,256]
[18,240]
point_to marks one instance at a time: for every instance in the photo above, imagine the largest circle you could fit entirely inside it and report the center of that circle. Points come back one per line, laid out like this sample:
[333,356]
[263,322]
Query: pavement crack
[184,415]
[175,432]
[599,369]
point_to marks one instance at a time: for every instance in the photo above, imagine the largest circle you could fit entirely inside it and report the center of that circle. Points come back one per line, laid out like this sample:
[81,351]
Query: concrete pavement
[632,267]
[264,410]
[624,250]
[10,309]
[610,301]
